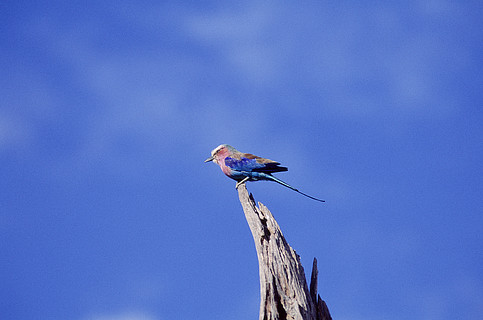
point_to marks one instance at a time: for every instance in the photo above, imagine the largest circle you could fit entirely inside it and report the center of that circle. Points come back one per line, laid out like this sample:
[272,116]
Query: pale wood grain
[283,289]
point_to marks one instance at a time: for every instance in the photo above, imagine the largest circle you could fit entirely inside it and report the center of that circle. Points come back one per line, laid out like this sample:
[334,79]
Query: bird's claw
[241,182]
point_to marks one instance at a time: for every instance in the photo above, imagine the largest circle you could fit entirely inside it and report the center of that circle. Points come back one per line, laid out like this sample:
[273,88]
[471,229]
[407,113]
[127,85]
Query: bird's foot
[241,182]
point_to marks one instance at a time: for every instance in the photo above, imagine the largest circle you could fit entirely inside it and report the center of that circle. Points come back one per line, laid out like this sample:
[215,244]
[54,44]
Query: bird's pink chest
[226,170]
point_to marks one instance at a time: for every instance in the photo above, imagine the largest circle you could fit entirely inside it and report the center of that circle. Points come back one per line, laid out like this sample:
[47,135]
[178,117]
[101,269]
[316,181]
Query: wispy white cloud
[28,102]
[244,39]
[361,65]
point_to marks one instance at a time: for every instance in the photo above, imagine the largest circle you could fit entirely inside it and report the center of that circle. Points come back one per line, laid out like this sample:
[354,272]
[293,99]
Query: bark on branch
[283,289]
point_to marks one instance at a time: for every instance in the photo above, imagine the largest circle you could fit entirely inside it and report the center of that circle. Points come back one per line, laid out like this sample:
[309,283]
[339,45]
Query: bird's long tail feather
[270,177]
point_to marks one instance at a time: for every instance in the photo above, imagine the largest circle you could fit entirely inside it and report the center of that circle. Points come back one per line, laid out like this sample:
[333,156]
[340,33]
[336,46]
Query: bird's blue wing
[242,164]
[249,162]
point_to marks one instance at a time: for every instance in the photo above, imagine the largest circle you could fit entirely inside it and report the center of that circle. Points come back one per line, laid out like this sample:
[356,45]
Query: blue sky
[108,109]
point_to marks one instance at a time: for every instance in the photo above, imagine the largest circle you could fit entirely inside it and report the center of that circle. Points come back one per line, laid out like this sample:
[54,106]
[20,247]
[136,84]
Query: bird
[243,167]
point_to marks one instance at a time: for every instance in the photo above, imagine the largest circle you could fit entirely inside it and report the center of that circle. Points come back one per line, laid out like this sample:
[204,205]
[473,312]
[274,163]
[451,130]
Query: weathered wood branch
[283,289]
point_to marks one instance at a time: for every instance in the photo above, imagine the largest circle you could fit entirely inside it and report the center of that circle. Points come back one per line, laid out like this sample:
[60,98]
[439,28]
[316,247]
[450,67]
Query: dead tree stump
[283,289]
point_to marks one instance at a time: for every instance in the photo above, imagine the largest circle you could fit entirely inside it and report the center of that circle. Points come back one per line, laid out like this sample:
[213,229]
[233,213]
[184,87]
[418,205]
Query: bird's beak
[209,159]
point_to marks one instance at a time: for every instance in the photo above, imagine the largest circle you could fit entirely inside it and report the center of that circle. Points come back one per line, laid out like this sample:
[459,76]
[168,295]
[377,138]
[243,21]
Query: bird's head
[220,152]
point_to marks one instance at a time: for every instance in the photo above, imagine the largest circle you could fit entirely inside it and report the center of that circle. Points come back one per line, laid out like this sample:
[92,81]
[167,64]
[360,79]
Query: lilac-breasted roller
[244,167]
